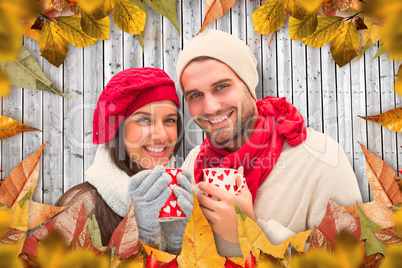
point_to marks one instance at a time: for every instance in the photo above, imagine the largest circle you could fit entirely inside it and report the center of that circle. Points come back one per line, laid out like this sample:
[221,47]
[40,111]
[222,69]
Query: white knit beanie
[225,48]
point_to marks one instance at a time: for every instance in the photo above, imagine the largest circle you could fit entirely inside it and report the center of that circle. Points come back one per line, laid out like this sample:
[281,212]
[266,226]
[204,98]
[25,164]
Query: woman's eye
[143,120]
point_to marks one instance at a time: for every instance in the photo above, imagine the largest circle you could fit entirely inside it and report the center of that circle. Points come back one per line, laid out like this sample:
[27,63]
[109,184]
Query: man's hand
[220,214]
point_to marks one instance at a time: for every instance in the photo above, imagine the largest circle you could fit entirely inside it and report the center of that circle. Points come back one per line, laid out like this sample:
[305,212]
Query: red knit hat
[126,92]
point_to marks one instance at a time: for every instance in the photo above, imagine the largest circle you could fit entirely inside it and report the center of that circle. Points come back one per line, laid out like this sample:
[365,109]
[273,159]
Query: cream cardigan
[294,196]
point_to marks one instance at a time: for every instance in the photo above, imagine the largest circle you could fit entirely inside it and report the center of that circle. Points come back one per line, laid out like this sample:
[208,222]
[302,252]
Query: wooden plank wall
[329,97]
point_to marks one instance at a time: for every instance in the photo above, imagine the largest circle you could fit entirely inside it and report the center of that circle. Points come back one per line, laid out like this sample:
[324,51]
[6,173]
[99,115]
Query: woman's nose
[159,133]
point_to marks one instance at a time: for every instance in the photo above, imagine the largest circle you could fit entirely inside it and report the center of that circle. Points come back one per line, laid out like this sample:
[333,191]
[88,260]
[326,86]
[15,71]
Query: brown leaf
[320,241]
[29,260]
[10,127]
[38,24]
[125,237]
[385,191]
[372,261]
[336,220]
[360,24]
[270,38]
[215,9]
[70,223]
[39,213]
[389,236]
[342,4]
[82,241]
[391,119]
[59,5]
[12,236]
[358,5]
[52,14]
[21,179]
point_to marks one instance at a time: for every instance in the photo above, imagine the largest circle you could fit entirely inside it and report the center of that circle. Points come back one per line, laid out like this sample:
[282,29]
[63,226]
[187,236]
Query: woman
[138,129]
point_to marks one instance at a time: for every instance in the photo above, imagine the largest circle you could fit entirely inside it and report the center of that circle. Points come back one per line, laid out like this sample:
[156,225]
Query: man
[291,171]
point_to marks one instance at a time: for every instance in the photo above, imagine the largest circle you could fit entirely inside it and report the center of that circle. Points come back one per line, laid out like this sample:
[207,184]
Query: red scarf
[277,120]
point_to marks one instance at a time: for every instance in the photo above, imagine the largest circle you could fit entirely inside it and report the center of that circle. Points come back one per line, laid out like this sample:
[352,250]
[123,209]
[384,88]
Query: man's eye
[171,120]
[221,86]
[195,95]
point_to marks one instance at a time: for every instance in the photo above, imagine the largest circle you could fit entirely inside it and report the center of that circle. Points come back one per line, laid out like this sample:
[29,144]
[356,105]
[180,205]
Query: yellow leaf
[299,29]
[21,179]
[295,8]
[129,17]
[98,29]
[10,127]
[323,33]
[160,255]
[392,35]
[97,8]
[19,212]
[53,43]
[391,119]
[5,220]
[315,258]
[52,250]
[85,258]
[252,239]
[199,249]
[345,43]
[310,5]
[269,17]
[11,31]
[398,81]
[32,33]
[38,213]
[9,256]
[385,189]
[166,8]
[363,48]
[214,10]
[75,35]
[4,84]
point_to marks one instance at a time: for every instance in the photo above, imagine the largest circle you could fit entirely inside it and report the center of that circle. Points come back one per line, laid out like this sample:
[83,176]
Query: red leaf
[231,264]
[335,220]
[125,237]
[12,236]
[389,236]
[172,264]
[62,13]
[373,261]
[320,241]
[69,223]
[250,261]
[29,260]
[399,170]
[151,261]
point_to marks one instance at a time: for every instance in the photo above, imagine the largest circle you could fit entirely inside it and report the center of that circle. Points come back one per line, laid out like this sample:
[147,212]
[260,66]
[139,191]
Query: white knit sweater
[294,196]
[110,181]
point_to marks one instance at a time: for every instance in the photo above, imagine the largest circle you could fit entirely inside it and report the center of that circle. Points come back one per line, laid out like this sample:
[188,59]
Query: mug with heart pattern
[224,178]
[171,210]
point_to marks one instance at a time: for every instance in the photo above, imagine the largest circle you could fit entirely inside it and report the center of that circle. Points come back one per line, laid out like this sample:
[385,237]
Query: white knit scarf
[110,181]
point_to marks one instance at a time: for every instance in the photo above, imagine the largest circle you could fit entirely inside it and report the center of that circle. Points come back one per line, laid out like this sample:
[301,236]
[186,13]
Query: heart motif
[173,203]
[210,180]
[178,213]
[167,209]
[227,186]
[213,173]
[235,187]
[217,185]
[174,172]
[227,171]
[235,172]
[206,172]
[220,177]
[171,186]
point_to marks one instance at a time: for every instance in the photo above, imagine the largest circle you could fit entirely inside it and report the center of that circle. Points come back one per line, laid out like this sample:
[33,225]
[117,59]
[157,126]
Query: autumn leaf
[215,9]
[295,9]
[98,29]
[391,34]
[172,264]
[199,248]
[342,4]
[348,250]
[29,260]
[98,9]
[381,50]
[398,81]
[53,43]
[125,236]
[83,240]
[373,244]
[45,5]
[129,17]
[358,5]
[22,179]
[372,261]
[363,48]
[160,255]
[323,33]
[269,17]
[11,31]
[20,212]
[94,231]
[336,220]
[9,256]
[75,35]
[39,213]
[10,127]
[85,258]
[4,84]
[389,236]
[391,119]
[315,258]
[345,43]
[26,73]
[167,8]
[53,14]
[5,220]
[140,37]
[151,261]
[385,189]
[70,223]
[12,236]
[31,33]
[320,241]
[252,238]
[299,29]
[52,250]
[59,5]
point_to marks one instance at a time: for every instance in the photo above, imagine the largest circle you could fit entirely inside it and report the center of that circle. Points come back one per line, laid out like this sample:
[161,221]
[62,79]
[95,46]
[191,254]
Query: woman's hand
[173,231]
[149,191]
[244,200]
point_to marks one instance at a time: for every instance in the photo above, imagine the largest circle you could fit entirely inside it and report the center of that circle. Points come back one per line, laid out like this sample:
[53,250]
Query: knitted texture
[110,181]
[126,92]
[225,48]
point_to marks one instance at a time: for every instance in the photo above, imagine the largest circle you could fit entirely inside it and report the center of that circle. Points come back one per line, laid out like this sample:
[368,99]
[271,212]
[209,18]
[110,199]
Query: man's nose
[211,105]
